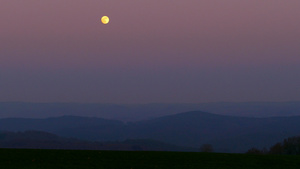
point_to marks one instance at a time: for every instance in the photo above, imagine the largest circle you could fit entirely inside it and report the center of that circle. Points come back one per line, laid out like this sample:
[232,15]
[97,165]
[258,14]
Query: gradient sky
[151,51]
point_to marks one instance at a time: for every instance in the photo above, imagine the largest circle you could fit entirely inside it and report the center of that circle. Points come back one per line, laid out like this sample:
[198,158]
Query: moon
[105,20]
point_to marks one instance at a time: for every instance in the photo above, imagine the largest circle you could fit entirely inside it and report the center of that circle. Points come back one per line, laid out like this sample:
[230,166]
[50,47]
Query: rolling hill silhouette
[190,129]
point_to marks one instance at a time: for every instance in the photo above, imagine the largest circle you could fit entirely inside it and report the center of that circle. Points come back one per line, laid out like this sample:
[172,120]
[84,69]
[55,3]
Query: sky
[152,51]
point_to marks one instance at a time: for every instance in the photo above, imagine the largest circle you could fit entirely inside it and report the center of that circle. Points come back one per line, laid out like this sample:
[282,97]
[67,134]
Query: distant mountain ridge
[190,129]
[136,112]
[69,126]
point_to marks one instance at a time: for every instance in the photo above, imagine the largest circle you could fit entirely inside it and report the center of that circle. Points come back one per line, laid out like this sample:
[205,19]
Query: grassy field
[85,159]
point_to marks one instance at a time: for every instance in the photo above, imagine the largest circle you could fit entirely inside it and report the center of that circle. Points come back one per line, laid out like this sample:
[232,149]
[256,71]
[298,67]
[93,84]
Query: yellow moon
[105,20]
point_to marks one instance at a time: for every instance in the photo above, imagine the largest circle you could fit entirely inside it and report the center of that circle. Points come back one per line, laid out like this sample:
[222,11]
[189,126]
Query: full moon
[105,20]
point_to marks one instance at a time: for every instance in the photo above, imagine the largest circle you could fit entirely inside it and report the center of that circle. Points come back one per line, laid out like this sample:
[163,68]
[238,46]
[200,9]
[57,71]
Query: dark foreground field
[75,159]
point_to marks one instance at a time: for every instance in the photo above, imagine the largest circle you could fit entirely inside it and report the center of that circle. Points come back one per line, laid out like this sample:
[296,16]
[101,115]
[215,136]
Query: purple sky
[151,51]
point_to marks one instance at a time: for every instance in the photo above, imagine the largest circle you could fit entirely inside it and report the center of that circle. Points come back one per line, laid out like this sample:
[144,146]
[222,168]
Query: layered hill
[45,140]
[190,129]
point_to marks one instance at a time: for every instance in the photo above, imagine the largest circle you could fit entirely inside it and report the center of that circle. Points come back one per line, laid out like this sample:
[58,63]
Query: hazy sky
[151,51]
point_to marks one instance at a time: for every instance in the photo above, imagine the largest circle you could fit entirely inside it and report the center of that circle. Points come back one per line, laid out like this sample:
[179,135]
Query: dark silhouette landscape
[231,134]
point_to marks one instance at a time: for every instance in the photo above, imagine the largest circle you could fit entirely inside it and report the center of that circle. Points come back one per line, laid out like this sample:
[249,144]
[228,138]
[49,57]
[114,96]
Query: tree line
[289,146]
